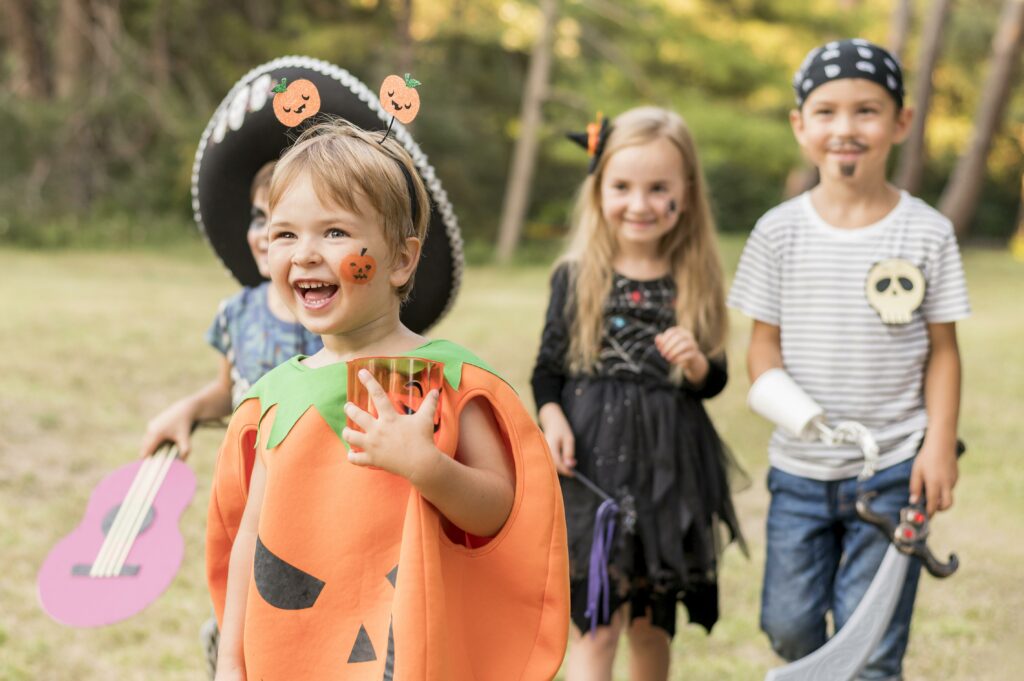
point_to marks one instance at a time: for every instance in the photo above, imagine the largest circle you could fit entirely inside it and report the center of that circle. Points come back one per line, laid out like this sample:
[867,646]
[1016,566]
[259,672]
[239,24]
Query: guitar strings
[132,513]
[116,528]
[132,509]
[120,556]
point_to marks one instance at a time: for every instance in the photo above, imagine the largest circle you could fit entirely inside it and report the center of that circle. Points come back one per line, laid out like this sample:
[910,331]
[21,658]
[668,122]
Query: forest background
[105,101]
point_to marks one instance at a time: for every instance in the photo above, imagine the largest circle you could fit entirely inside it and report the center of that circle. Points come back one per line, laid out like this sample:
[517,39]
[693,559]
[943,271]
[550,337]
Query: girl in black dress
[633,343]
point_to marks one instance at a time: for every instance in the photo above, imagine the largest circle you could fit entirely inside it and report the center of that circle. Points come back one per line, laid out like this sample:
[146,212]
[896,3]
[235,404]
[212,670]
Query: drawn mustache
[847,145]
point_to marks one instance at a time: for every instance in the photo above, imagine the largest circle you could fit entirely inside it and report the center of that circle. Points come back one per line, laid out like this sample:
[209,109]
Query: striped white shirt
[808,278]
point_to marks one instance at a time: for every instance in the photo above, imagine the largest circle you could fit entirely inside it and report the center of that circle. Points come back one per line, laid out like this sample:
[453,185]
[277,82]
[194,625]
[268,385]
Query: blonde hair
[261,180]
[346,163]
[692,247]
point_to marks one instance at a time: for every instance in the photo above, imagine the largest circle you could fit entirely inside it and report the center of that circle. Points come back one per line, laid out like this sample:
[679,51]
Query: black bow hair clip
[593,140]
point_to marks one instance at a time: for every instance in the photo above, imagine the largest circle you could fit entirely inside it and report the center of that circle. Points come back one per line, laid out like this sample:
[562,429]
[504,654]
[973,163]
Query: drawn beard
[848,169]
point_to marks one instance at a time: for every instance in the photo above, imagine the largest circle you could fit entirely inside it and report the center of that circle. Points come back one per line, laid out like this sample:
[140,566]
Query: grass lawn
[94,344]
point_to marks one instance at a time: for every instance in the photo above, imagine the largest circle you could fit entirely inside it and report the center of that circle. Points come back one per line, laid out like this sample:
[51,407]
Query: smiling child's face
[257,233]
[847,127]
[312,249]
[643,193]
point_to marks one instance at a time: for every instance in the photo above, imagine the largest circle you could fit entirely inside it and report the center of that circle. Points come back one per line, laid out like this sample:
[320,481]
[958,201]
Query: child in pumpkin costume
[450,562]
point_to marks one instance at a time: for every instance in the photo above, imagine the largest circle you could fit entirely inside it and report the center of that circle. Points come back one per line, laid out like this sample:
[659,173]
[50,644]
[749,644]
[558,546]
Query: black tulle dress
[649,444]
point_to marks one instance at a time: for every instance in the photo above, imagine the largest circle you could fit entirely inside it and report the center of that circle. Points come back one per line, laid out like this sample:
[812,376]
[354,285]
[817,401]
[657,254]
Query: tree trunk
[913,152]
[30,76]
[1017,239]
[72,47]
[899,27]
[159,49]
[517,191]
[960,197]
[403,35]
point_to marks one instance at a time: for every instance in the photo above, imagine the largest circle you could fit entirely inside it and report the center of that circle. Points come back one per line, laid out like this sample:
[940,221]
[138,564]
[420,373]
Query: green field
[94,344]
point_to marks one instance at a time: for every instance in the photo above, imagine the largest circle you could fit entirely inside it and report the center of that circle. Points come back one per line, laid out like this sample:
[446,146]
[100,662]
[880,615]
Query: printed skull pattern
[895,288]
[853,58]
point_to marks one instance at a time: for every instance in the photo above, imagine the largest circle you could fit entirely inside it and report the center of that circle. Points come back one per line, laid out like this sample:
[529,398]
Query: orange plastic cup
[406,380]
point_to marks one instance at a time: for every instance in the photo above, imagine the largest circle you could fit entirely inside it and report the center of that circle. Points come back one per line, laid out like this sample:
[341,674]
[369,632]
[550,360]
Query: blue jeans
[821,557]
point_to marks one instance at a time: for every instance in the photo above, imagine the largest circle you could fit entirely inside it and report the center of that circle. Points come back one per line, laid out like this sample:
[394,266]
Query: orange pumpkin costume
[354,575]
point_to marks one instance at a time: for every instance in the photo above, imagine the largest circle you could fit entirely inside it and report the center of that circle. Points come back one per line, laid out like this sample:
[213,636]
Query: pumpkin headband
[593,140]
[399,97]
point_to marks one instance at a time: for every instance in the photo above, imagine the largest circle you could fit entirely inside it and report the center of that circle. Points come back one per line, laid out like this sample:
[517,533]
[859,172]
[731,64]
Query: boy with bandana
[854,288]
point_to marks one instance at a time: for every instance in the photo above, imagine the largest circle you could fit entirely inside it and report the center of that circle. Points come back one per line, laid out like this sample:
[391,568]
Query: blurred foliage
[111,162]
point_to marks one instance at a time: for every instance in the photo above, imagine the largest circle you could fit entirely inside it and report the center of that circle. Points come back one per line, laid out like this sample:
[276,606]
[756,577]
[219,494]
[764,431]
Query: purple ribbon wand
[598,588]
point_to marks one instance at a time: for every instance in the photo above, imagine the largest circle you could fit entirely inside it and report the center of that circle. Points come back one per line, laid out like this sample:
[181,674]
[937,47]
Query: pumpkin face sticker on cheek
[399,97]
[358,269]
[295,102]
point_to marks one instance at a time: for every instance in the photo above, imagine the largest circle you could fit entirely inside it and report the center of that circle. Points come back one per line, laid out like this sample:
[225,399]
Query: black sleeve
[714,382]
[549,371]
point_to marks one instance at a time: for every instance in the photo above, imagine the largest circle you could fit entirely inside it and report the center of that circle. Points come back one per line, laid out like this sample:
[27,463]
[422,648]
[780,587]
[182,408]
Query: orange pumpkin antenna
[399,97]
[594,134]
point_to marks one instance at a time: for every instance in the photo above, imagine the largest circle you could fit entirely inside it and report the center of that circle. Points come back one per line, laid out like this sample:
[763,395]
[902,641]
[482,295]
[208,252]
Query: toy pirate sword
[846,653]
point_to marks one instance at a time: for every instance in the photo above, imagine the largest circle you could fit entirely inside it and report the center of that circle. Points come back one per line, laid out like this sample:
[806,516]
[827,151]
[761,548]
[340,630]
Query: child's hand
[678,346]
[558,434]
[174,424]
[398,443]
[934,474]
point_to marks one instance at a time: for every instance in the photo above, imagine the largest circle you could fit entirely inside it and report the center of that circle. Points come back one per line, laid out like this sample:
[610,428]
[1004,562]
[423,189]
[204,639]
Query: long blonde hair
[691,246]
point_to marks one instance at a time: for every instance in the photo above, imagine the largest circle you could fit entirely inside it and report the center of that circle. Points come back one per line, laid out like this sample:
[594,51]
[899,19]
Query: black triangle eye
[883,284]
[906,284]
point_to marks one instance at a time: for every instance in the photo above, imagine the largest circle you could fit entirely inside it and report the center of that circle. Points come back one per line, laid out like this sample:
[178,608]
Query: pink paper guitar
[127,548]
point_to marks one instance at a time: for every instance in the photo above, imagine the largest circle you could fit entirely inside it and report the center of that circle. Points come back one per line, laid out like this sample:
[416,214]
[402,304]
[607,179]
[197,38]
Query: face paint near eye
[671,207]
[358,269]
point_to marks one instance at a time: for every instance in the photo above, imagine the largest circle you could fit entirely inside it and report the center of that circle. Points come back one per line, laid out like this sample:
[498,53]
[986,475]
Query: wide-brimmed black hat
[244,134]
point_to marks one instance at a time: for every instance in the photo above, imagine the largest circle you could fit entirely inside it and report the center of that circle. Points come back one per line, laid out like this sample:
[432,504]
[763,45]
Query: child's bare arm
[212,401]
[474,492]
[765,351]
[935,470]
[230,657]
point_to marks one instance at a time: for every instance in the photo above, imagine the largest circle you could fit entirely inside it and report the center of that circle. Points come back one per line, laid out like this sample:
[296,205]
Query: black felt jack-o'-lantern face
[288,587]
[407,405]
